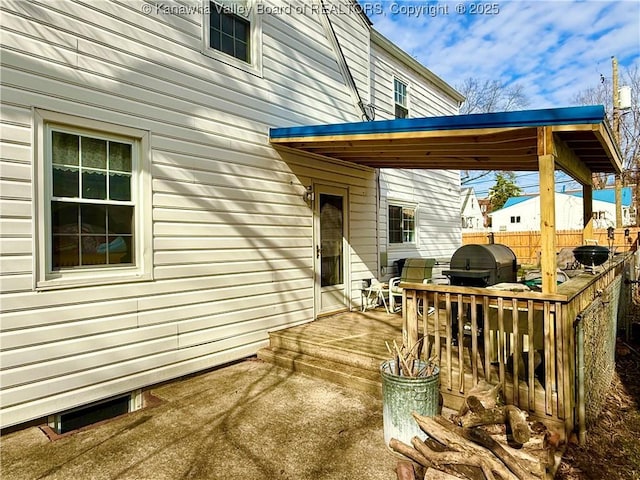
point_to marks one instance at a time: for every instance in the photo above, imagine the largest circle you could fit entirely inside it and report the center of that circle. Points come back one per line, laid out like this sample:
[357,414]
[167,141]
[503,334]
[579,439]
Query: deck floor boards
[352,344]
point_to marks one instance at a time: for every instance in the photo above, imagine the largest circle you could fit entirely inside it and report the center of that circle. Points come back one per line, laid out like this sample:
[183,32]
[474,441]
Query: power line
[559,182]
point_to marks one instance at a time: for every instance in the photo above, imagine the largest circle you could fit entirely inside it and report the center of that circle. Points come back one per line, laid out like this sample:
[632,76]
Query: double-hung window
[229,32]
[402,224]
[93,179]
[232,33]
[400,99]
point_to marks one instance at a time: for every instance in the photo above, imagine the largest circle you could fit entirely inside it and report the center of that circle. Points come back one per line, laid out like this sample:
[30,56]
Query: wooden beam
[508,132]
[546,169]
[569,162]
[604,135]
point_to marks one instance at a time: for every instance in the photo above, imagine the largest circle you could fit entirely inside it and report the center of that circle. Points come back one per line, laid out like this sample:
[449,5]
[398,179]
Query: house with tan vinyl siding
[148,229]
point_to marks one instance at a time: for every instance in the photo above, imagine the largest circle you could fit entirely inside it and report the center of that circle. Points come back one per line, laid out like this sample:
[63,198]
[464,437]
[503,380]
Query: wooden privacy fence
[526,245]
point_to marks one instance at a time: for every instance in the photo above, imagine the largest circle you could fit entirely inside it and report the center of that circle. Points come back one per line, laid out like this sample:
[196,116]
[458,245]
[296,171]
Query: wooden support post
[546,169]
[587,208]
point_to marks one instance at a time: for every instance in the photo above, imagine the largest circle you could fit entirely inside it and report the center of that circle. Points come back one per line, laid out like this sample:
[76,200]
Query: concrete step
[365,380]
[367,360]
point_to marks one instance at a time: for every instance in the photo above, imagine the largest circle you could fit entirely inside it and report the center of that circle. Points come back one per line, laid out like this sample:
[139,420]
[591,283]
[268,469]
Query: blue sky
[554,49]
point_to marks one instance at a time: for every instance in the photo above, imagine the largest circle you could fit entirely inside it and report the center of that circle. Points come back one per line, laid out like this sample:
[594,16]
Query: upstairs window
[515,219]
[229,32]
[400,98]
[232,33]
[402,224]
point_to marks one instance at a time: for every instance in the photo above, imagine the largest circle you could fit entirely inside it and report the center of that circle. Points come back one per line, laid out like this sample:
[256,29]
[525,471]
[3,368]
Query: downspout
[342,62]
[381,268]
[579,333]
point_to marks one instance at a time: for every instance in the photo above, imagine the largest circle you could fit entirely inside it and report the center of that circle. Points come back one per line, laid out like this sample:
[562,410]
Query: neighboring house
[471,215]
[523,213]
[149,229]
[485,208]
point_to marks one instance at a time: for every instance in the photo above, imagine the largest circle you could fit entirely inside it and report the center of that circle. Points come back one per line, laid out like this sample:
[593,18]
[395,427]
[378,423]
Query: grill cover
[482,265]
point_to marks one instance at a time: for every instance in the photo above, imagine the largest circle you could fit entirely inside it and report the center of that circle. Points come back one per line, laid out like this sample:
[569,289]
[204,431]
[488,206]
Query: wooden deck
[348,348]
[345,348]
[501,329]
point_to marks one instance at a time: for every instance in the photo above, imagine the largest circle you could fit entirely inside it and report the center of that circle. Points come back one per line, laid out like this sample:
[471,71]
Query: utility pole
[616,133]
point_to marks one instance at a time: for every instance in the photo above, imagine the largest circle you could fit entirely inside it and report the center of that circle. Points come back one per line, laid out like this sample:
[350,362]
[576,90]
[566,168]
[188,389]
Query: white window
[402,224]
[515,219]
[400,98]
[94,198]
[232,33]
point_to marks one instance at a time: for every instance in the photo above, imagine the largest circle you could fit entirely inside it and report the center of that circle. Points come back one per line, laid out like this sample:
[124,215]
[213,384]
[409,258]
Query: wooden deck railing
[523,340]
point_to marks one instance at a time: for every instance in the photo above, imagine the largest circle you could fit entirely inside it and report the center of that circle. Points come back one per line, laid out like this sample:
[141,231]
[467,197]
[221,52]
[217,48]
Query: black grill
[482,265]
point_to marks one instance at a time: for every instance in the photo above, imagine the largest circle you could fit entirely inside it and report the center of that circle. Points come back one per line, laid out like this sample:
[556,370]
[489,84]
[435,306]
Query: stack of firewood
[484,440]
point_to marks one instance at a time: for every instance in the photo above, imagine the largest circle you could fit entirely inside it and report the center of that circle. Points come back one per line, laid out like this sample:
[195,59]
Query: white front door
[331,248]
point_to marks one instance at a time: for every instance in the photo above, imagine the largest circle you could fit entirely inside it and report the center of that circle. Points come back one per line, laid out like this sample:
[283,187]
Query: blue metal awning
[490,141]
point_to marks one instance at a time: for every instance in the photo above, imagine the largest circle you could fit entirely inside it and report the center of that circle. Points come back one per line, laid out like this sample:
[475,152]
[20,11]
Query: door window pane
[331,240]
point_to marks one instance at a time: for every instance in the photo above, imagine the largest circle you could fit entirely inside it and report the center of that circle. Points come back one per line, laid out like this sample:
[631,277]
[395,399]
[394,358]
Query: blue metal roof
[522,118]
[605,195]
[609,195]
[483,141]
[515,200]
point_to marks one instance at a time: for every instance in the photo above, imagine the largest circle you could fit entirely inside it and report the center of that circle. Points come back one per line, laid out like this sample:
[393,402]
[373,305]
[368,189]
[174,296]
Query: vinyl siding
[435,193]
[232,237]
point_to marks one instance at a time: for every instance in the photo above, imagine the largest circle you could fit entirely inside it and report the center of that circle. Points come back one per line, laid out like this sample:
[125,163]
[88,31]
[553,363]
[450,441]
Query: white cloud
[554,49]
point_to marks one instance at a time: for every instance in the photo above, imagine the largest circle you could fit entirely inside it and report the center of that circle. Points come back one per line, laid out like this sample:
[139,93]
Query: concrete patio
[249,420]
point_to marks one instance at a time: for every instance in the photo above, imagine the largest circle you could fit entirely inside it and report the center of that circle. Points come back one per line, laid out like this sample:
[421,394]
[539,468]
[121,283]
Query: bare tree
[629,120]
[629,127]
[486,96]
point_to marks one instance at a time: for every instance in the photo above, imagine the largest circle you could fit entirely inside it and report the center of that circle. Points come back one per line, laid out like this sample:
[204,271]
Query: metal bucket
[401,396]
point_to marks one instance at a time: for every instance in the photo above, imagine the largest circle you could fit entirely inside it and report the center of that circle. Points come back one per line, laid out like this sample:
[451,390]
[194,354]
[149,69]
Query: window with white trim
[515,219]
[231,33]
[400,98]
[402,224]
[95,201]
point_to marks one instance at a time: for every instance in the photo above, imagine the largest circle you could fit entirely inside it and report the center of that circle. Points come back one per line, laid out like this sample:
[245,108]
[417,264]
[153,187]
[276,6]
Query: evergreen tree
[504,188]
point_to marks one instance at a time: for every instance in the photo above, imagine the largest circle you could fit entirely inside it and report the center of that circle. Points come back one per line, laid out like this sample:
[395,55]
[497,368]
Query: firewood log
[482,438]
[433,474]
[486,416]
[479,415]
[489,395]
[518,422]
[409,452]
[444,460]
[405,470]
[444,432]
